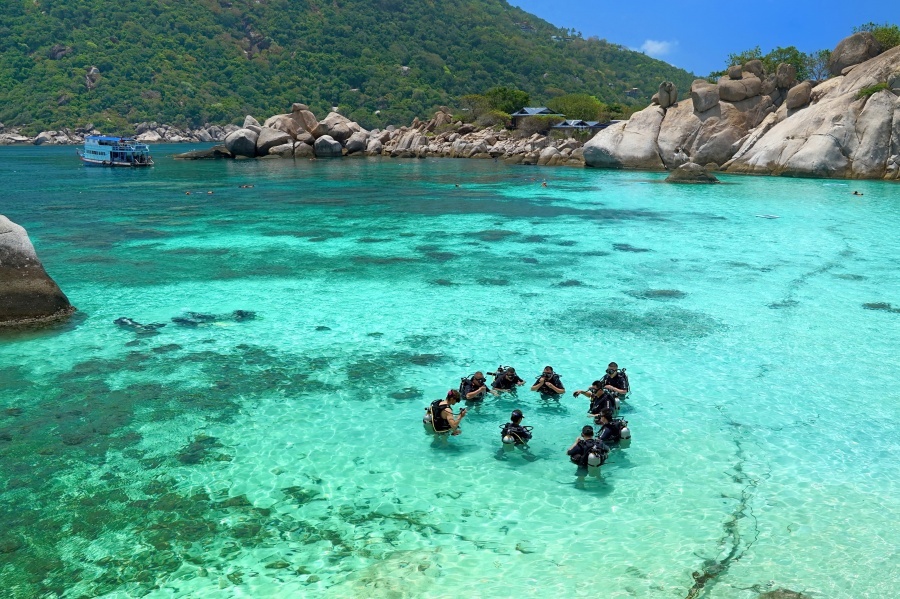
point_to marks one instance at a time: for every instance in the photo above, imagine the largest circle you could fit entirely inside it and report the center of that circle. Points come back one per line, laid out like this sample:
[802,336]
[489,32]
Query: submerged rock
[691,172]
[29,294]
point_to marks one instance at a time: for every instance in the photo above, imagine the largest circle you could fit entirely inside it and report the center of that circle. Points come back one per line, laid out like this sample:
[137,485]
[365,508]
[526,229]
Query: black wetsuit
[545,390]
[518,431]
[603,401]
[470,384]
[579,454]
[501,382]
[617,380]
[611,433]
[438,420]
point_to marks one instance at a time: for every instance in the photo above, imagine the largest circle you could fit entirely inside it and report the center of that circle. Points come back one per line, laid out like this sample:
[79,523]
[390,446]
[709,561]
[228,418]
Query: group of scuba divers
[588,450]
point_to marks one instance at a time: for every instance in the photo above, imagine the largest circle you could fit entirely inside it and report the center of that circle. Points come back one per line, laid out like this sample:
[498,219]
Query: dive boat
[103,150]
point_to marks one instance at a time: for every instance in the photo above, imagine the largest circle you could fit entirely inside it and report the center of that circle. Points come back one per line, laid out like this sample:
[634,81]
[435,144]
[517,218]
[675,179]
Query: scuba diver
[548,384]
[474,387]
[439,415]
[513,433]
[615,380]
[601,399]
[586,450]
[506,379]
[612,430]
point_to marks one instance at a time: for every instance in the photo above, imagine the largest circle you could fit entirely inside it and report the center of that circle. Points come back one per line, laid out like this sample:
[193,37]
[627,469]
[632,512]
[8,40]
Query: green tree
[887,35]
[817,65]
[578,106]
[770,61]
[506,99]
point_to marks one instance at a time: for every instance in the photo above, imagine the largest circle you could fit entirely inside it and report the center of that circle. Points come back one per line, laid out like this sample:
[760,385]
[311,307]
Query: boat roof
[107,138]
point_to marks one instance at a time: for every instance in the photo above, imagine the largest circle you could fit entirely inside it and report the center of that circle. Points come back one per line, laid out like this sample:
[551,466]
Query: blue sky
[698,36]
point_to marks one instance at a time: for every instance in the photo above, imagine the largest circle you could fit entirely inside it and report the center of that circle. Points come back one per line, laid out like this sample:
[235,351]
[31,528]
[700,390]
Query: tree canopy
[380,61]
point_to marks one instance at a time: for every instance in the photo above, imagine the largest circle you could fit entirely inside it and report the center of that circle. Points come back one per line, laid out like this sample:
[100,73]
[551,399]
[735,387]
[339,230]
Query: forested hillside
[70,62]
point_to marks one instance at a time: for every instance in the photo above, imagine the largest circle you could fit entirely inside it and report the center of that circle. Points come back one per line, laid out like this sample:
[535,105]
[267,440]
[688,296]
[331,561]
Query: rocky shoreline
[754,122]
[300,134]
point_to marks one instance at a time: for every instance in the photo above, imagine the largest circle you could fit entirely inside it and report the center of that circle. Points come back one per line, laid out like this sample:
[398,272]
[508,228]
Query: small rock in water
[408,393]
[624,247]
[524,547]
[322,327]
[242,315]
[883,306]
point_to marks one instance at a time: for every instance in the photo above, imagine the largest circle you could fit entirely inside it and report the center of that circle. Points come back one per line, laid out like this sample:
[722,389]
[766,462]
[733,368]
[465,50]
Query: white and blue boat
[103,150]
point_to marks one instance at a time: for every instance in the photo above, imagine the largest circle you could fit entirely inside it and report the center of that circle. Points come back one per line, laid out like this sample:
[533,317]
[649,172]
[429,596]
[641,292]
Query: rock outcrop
[27,294]
[751,122]
[691,172]
[852,51]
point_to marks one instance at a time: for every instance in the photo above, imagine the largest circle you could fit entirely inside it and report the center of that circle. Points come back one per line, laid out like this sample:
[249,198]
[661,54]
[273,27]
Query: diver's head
[452,396]
[510,373]
[587,431]
[516,416]
[478,377]
[548,371]
[605,416]
[612,368]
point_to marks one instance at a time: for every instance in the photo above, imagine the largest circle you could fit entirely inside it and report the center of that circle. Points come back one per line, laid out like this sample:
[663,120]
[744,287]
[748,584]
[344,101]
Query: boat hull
[109,163]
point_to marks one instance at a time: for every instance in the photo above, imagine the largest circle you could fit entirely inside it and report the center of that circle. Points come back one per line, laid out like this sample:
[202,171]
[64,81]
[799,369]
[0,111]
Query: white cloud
[657,48]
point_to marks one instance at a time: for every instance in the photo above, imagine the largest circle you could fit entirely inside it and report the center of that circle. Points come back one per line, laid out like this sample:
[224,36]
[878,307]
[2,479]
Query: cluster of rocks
[300,134]
[145,132]
[753,122]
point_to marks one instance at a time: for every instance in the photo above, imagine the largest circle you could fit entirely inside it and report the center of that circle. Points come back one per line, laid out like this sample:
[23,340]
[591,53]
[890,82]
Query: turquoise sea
[283,455]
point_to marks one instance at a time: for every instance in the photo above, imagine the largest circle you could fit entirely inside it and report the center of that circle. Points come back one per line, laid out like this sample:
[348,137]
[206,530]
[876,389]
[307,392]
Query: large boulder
[270,138]
[667,95]
[735,91]
[798,96]
[785,76]
[304,150]
[374,147]
[283,122]
[357,143]
[853,50]
[691,172]
[305,119]
[285,150]
[736,72]
[629,144]
[337,126]
[704,95]
[242,142]
[755,67]
[249,121]
[327,147]
[28,294]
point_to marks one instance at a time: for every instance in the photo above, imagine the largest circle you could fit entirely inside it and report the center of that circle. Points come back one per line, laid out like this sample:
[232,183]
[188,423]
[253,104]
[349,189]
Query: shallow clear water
[283,455]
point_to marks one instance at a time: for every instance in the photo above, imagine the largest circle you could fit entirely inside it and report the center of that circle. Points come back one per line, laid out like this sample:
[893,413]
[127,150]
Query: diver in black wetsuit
[587,451]
[548,384]
[513,432]
[615,380]
[474,387]
[611,430]
[506,379]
